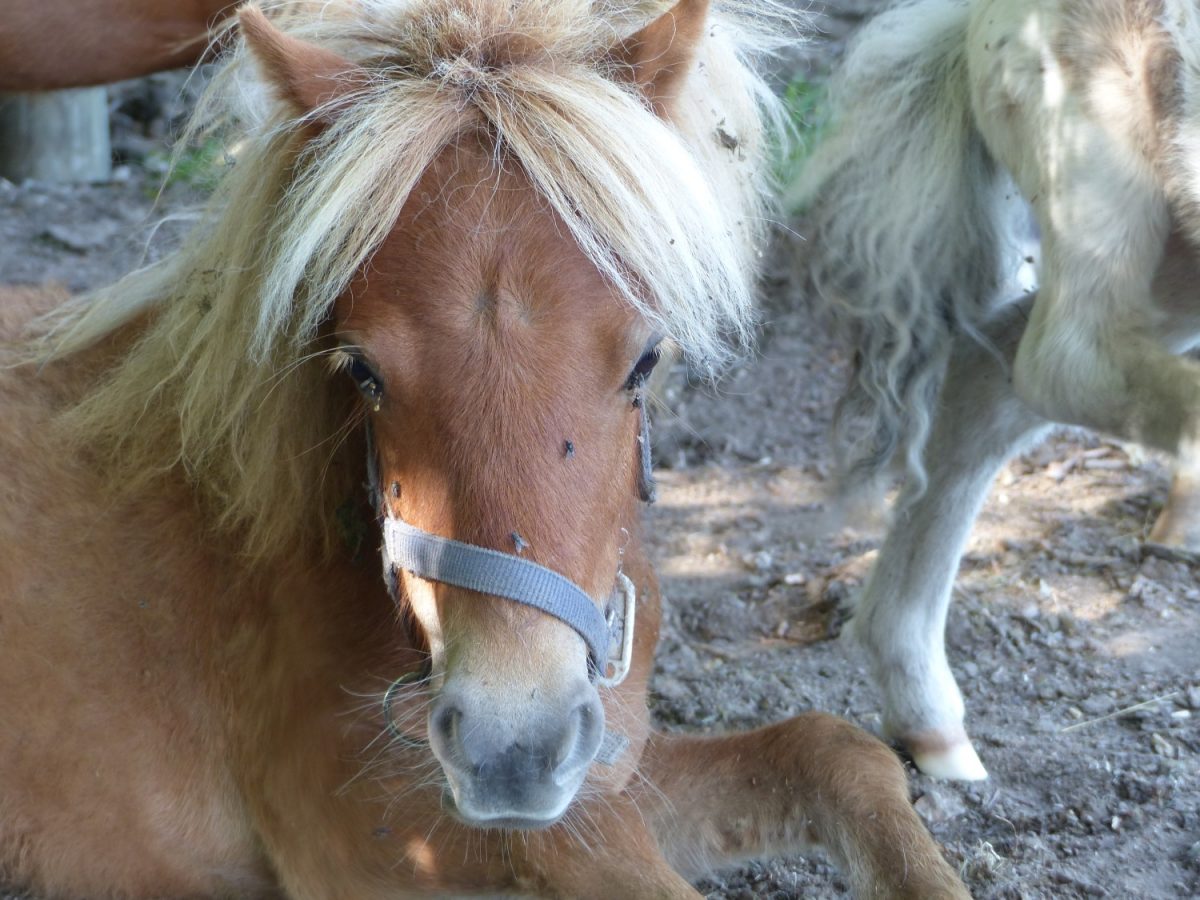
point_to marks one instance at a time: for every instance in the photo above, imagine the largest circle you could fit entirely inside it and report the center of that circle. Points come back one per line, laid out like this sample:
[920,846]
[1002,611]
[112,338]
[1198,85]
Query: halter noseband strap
[501,575]
[487,571]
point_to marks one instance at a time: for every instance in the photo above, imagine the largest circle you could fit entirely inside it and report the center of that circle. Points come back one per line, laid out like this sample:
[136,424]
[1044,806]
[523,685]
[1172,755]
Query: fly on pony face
[485,215]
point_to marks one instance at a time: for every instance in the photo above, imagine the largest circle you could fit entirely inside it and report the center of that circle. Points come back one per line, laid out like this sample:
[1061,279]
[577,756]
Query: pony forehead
[671,213]
[475,236]
[649,207]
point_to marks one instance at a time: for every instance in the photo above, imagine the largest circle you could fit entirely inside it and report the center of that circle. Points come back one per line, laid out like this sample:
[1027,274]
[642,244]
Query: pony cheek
[422,600]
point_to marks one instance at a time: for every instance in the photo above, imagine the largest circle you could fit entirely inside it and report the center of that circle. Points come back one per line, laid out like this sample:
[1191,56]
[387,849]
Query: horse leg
[1097,353]
[813,779]
[1091,357]
[901,616]
[1178,525]
[364,820]
[604,848]
[390,838]
[46,46]
[1098,350]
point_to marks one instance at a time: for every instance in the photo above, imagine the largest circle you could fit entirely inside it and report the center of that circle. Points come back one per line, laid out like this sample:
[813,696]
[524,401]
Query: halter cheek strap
[491,572]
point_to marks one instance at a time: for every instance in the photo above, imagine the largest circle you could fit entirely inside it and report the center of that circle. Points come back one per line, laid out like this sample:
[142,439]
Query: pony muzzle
[515,736]
[511,767]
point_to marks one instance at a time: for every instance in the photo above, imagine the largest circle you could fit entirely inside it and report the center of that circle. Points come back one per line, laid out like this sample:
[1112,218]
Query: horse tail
[908,226]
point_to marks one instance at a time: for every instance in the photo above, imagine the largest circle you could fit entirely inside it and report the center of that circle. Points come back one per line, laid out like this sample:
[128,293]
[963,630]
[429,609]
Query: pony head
[490,215]
[501,369]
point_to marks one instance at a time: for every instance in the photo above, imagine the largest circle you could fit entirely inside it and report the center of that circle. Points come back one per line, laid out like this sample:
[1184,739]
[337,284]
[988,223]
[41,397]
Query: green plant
[197,166]
[807,115]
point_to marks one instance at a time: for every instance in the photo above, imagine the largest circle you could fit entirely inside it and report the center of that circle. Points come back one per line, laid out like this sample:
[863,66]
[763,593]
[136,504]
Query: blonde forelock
[672,213]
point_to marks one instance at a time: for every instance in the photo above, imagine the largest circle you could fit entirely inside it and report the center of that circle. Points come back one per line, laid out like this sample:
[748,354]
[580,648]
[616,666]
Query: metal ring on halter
[405,680]
[619,665]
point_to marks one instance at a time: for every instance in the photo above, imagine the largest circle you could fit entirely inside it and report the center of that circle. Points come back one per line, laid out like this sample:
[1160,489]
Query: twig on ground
[1121,712]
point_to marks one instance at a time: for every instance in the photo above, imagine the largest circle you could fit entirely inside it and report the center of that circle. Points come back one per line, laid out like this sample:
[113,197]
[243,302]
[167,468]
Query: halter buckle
[619,665]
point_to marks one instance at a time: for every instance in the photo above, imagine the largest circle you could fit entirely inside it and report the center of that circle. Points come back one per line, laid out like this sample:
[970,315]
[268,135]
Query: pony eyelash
[341,359]
[344,360]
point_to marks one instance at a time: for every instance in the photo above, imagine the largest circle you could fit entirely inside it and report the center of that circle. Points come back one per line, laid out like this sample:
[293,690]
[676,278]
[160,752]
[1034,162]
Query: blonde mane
[223,379]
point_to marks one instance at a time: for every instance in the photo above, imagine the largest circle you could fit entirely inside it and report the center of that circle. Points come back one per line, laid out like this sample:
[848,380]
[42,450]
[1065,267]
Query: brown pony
[453,236]
[71,43]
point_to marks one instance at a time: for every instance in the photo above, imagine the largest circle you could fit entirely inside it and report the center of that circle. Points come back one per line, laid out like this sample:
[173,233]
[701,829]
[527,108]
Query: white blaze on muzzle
[497,574]
[486,571]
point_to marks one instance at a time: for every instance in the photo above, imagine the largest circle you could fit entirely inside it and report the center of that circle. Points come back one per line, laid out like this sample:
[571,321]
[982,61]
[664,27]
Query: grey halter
[503,575]
[498,574]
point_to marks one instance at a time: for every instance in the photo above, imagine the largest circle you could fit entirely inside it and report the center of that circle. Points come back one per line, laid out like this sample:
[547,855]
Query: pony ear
[659,56]
[305,76]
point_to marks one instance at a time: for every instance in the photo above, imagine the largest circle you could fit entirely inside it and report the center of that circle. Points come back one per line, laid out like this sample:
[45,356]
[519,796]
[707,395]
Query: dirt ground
[1075,648]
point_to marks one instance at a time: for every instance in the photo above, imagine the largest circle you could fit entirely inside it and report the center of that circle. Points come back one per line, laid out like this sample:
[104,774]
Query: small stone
[1097,705]
[1193,696]
[758,562]
[1047,725]
[795,578]
[1162,746]
[80,238]
[670,688]
[939,804]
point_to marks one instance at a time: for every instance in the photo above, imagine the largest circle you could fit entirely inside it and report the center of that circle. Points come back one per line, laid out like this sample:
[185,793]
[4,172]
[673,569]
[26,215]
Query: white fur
[1091,108]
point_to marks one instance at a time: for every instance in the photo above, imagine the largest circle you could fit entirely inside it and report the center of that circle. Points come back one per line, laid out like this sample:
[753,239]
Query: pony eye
[364,377]
[644,366]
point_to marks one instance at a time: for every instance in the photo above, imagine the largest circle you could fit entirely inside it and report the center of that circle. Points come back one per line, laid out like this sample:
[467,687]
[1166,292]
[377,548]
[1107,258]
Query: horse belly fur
[112,779]
[1072,91]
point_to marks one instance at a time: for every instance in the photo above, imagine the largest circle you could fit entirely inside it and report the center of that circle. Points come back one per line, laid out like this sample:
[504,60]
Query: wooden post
[57,136]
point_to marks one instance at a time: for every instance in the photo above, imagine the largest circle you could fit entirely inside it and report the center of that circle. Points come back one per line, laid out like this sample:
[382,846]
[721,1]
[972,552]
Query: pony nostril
[445,724]
[486,747]
[581,737]
[591,725]
[568,739]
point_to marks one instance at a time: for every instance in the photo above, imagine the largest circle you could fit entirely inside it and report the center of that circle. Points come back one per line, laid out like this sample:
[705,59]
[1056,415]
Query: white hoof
[958,762]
